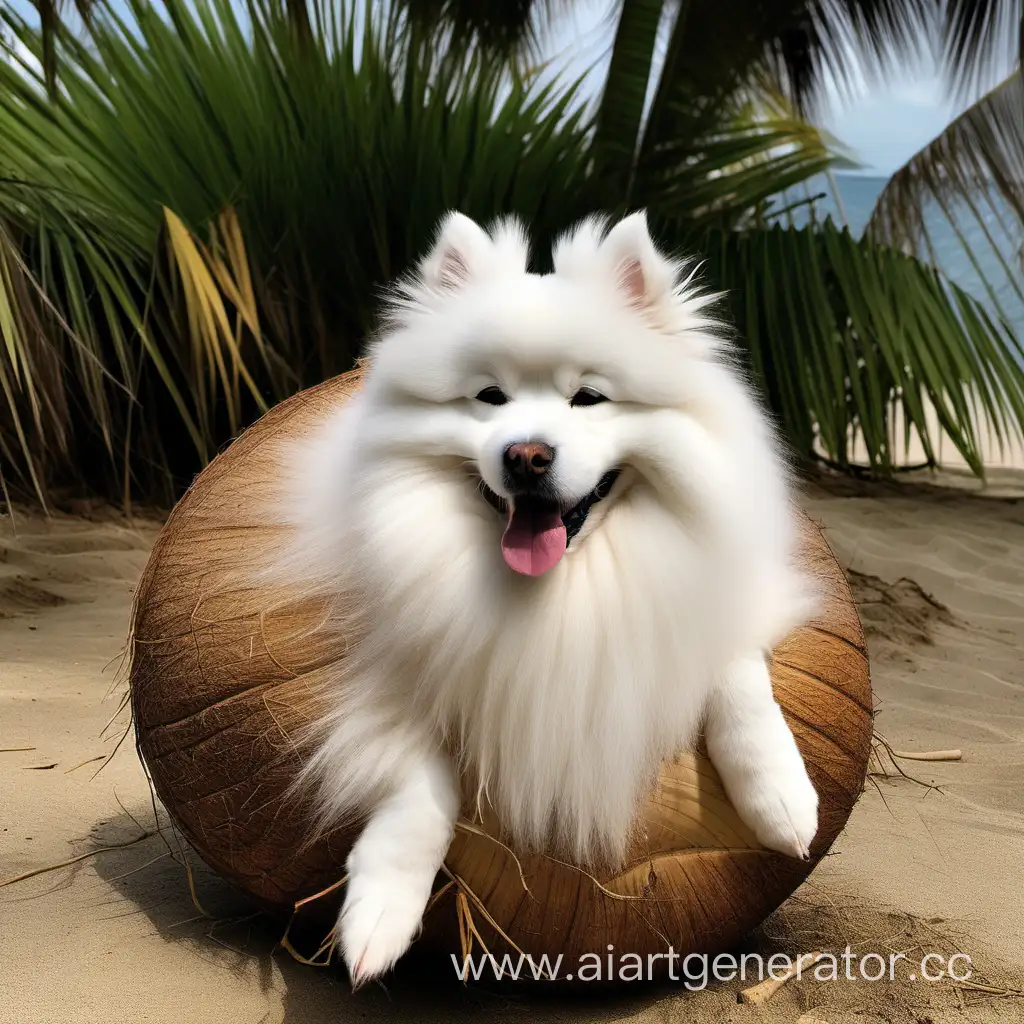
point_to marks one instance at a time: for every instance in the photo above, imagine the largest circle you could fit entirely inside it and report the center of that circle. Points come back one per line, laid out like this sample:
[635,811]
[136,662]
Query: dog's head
[552,393]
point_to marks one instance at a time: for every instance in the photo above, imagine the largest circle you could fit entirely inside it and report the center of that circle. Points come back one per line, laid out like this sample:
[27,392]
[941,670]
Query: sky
[885,124]
[882,124]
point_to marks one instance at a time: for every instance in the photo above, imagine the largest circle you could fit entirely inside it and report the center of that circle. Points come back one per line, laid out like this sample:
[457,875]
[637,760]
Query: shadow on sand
[222,927]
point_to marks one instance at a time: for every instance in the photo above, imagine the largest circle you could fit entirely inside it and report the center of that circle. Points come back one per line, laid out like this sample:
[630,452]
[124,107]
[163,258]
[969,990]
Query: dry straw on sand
[224,675]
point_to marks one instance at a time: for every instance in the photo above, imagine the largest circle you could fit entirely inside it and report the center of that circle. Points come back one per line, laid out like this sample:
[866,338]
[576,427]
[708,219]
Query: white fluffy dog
[567,527]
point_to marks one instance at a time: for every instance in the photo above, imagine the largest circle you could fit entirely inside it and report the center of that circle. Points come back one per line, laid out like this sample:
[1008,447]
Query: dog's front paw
[781,806]
[380,917]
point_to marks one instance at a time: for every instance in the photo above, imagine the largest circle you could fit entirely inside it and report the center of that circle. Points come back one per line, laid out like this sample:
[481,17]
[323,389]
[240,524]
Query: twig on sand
[14,750]
[992,990]
[74,860]
[98,757]
[764,990]
[880,743]
[929,755]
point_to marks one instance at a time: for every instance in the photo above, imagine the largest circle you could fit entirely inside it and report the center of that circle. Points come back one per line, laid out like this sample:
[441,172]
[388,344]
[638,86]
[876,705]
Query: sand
[117,936]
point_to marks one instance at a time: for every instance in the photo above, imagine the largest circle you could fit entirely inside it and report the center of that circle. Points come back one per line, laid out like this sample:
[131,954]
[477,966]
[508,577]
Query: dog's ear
[644,275]
[461,250]
[464,251]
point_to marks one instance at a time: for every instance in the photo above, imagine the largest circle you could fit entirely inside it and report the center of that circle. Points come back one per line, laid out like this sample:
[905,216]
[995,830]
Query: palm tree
[196,224]
[974,170]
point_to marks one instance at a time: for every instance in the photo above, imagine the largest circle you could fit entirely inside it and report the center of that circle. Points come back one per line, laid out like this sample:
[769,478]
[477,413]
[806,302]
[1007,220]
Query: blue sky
[886,124]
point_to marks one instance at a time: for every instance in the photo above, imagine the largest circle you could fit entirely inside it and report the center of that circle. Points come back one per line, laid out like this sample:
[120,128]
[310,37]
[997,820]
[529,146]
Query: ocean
[994,277]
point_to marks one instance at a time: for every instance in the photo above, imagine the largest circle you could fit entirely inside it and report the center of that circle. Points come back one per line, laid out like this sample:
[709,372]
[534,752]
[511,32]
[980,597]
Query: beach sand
[117,936]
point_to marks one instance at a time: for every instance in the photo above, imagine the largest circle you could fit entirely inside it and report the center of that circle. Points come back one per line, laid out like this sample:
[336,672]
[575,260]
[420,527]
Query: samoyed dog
[566,527]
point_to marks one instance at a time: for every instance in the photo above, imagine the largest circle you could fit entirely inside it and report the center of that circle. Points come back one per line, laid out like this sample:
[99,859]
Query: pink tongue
[534,541]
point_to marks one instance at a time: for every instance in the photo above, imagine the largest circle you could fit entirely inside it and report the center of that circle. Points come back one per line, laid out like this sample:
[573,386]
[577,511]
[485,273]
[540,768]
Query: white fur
[555,697]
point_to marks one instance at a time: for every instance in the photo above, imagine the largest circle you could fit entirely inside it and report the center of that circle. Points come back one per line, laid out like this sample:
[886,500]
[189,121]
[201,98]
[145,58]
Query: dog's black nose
[527,462]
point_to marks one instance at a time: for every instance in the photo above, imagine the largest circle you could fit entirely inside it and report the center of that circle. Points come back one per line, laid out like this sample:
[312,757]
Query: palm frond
[967,183]
[856,344]
[814,45]
[734,173]
[203,221]
[979,155]
[813,53]
[199,224]
[508,27]
[698,134]
[981,38]
[624,98]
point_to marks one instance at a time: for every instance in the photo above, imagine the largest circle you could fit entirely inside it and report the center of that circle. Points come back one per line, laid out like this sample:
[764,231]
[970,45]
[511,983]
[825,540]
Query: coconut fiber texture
[225,675]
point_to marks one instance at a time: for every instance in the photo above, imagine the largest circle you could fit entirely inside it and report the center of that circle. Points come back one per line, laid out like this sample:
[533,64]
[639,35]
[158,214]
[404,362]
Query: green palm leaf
[202,221]
[974,167]
[171,329]
[854,343]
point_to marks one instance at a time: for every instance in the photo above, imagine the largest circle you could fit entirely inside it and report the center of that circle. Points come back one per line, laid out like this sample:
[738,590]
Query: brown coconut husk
[225,676]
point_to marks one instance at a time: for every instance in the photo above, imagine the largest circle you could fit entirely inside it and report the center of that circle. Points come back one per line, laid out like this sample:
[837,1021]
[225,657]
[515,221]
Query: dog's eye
[492,396]
[587,396]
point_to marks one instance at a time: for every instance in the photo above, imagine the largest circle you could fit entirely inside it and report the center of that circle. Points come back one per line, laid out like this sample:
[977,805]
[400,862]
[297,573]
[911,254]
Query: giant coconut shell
[223,678]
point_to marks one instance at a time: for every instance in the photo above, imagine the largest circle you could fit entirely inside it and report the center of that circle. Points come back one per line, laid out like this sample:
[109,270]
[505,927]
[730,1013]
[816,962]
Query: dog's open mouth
[538,530]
